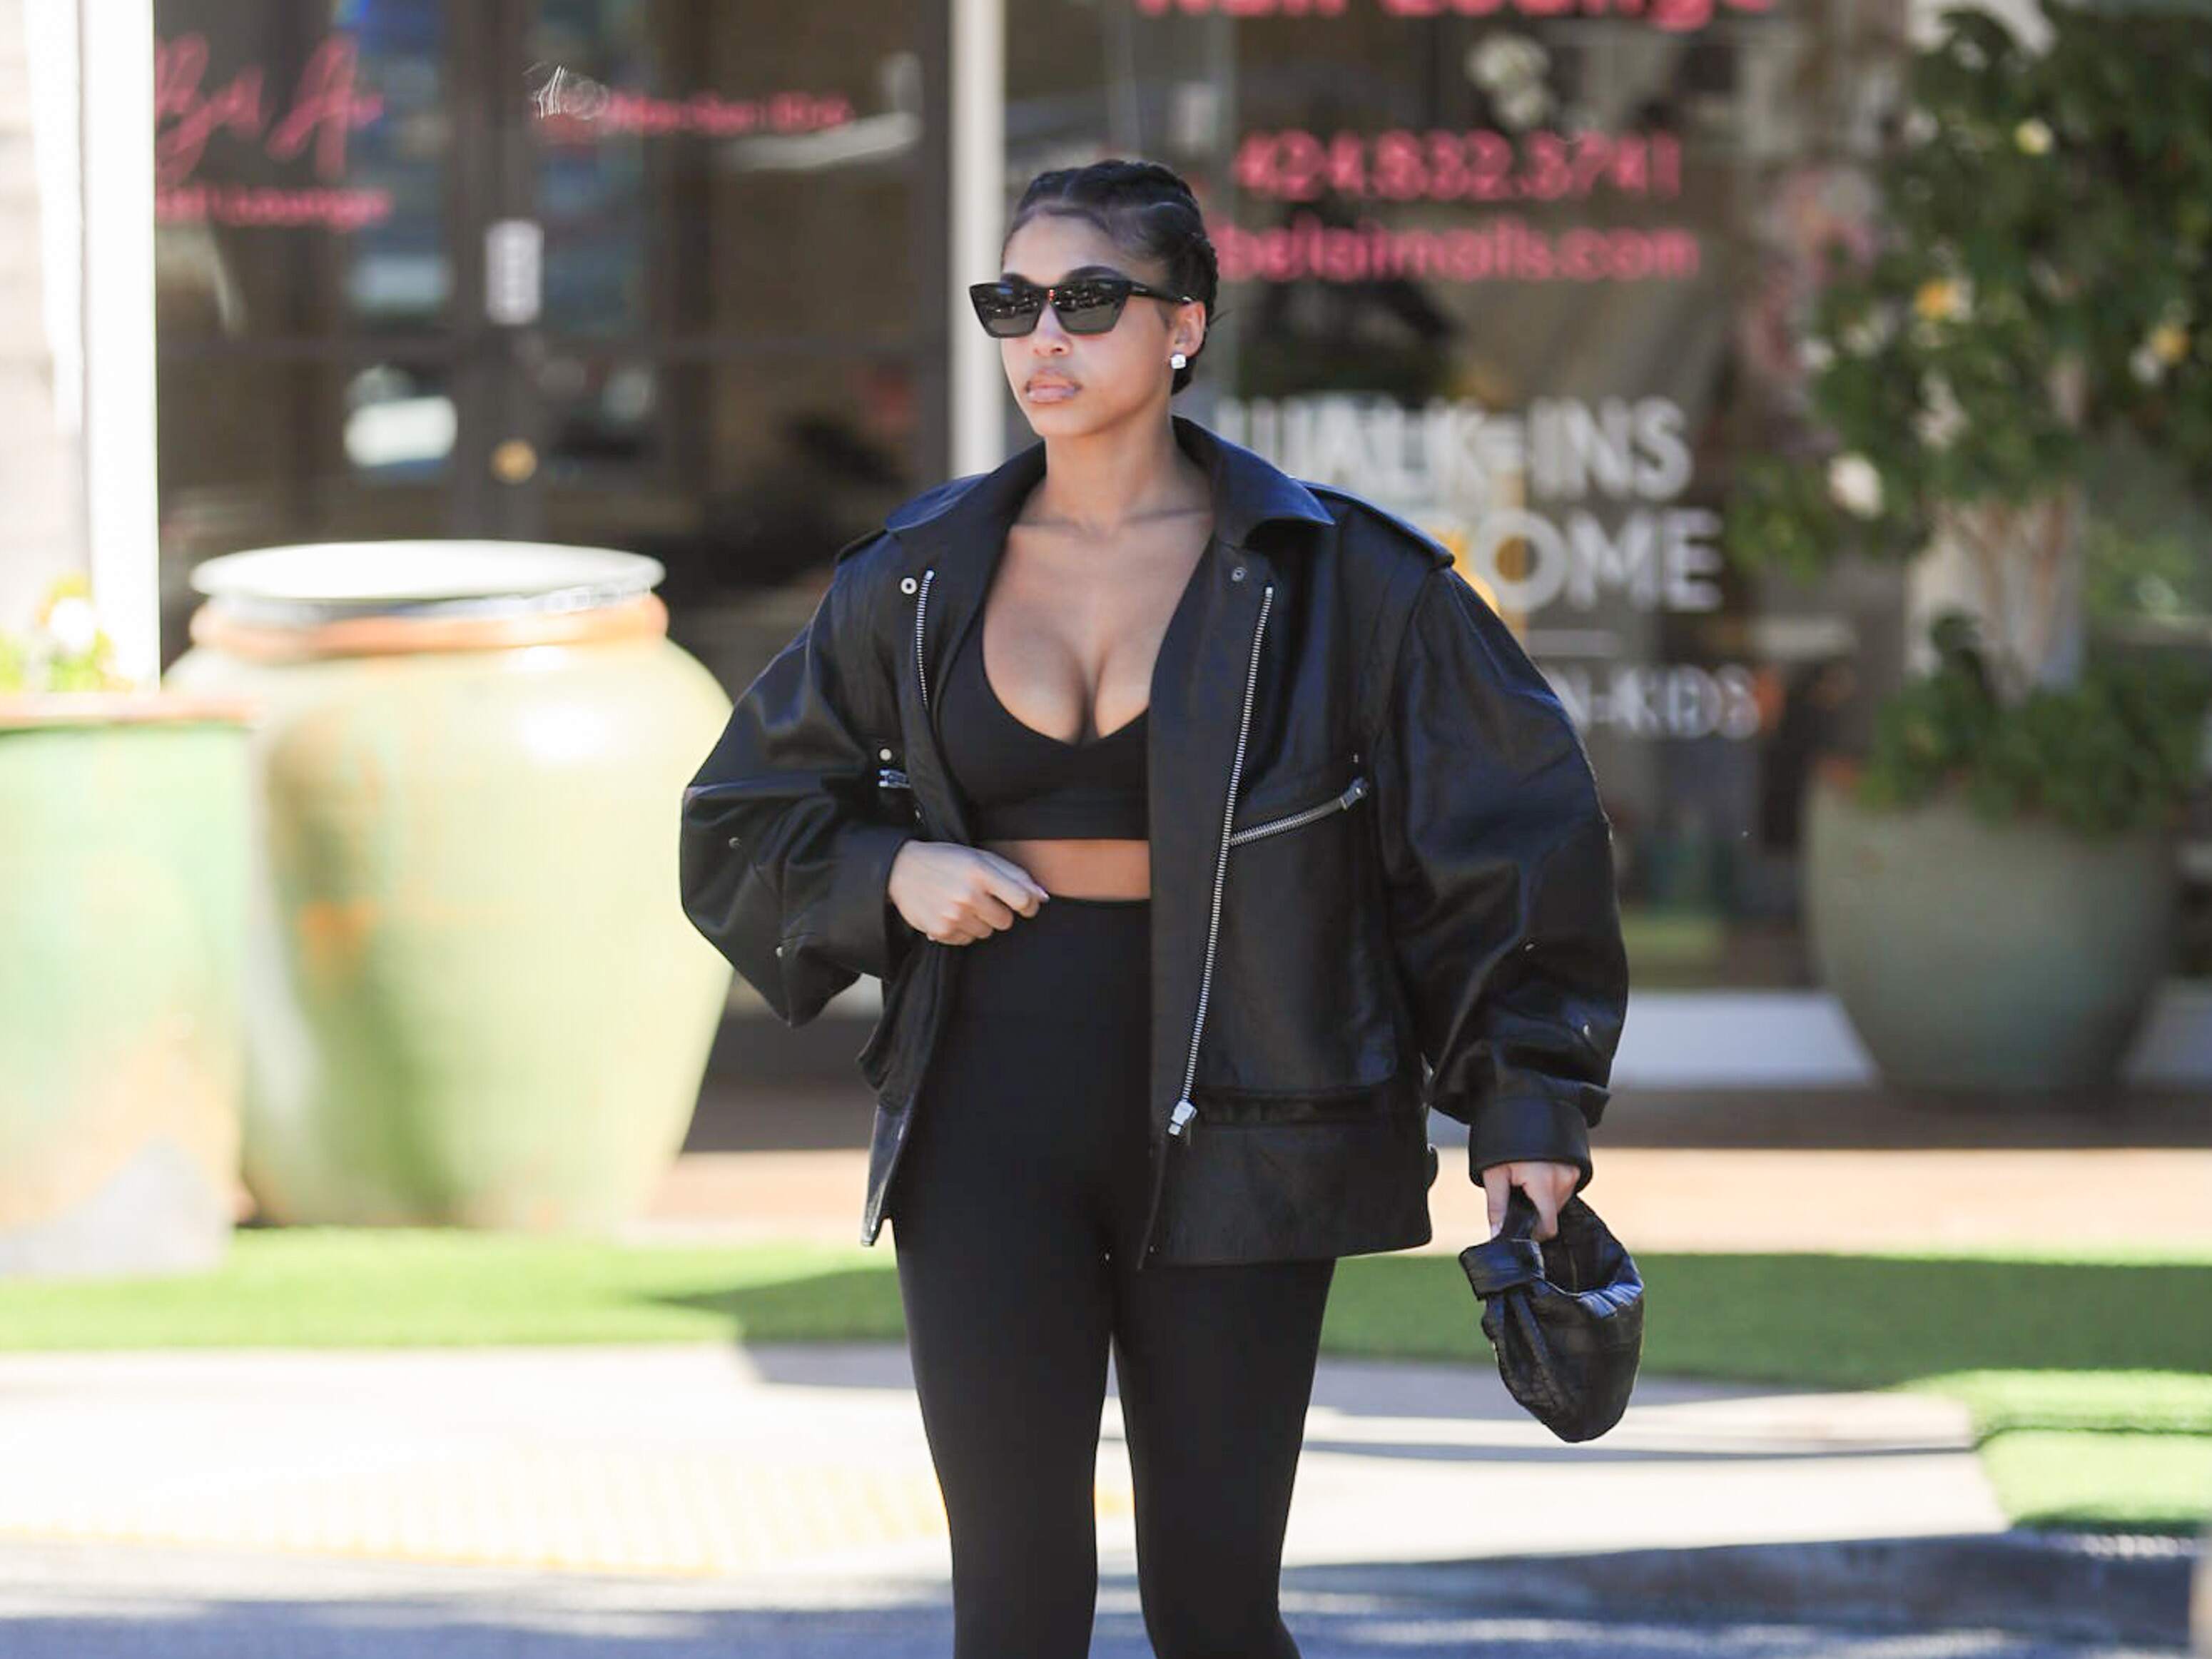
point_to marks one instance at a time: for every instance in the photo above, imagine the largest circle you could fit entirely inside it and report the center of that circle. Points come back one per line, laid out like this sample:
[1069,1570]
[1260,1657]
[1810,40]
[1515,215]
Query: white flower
[74,626]
[1940,420]
[1870,332]
[1524,105]
[1854,485]
[1919,125]
[1816,354]
[2146,365]
[2155,594]
[2033,135]
[1503,59]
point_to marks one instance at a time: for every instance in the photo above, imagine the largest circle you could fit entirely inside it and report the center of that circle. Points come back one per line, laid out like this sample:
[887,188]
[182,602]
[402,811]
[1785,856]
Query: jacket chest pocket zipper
[1352,792]
[1186,1113]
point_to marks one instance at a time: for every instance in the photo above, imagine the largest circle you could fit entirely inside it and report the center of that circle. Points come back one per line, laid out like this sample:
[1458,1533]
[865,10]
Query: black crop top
[1026,783]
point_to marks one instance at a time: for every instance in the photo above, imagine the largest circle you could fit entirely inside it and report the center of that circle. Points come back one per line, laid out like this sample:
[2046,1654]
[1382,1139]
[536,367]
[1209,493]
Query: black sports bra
[1026,783]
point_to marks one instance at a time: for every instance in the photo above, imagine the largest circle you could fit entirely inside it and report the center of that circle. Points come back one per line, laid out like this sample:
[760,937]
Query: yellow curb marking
[566,1511]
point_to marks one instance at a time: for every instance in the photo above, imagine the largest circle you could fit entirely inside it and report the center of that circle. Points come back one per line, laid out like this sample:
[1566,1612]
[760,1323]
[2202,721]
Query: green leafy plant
[2034,286]
[65,650]
[2113,752]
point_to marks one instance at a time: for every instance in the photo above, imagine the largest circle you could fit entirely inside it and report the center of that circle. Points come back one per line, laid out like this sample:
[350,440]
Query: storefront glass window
[649,273]
[1521,274]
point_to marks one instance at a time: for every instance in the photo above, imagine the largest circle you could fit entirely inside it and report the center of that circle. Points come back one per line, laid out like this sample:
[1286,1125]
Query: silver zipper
[1351,793]
[922,604]
[1180,1119]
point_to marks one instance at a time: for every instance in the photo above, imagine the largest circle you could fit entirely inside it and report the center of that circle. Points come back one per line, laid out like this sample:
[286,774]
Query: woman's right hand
[957,894]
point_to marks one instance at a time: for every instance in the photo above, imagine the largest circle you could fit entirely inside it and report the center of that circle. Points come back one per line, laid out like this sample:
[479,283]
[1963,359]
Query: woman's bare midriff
[1083,868]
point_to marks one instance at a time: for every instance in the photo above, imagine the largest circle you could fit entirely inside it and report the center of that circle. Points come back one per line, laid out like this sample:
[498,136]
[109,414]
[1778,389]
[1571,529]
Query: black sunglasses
[1085,305]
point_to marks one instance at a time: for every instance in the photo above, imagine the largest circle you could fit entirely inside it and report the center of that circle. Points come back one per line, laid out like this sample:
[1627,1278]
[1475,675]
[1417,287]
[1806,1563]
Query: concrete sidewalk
[797,1477]
[717,1459]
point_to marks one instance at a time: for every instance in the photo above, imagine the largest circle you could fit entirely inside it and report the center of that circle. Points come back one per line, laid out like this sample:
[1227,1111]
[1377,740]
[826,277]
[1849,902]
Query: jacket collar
[1249,491]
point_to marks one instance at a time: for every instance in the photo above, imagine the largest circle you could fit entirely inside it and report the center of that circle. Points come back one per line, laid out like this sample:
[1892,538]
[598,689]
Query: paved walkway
[60,1602]
[63,1602]
[805,1459]
[779,1500]
[808,1462]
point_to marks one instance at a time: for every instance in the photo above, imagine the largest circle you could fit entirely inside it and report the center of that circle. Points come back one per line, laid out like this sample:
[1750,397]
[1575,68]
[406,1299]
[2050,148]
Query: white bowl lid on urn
[307,582]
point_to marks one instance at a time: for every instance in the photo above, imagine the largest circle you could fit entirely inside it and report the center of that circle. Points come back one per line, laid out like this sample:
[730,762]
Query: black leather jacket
[1377,852]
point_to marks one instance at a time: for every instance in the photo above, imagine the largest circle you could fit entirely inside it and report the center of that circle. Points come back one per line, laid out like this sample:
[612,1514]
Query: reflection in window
[302,167]
[259,452]
[1509,275]
[703,171]
[597,411]
[396,426]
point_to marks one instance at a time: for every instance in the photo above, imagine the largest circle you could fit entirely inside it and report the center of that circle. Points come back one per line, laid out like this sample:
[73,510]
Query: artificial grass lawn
[2089,1377]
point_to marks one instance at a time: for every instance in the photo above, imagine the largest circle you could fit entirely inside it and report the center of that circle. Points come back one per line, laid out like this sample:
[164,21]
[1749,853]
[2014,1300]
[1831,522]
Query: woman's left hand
[1548,1185]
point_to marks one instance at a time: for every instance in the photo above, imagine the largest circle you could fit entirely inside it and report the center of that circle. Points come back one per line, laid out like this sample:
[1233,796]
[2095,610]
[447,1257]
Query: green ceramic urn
[123,868]
[1979,958]
[473,998]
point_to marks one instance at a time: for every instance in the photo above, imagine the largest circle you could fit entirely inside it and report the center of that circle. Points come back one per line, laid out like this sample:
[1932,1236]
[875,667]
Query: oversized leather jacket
[1380,878]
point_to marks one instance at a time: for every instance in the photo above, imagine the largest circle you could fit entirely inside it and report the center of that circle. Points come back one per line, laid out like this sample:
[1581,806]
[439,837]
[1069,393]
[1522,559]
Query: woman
[1104,666]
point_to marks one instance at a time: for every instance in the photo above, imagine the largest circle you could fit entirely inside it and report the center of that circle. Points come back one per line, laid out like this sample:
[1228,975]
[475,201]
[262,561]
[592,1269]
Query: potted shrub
[123,859]
[1990,889]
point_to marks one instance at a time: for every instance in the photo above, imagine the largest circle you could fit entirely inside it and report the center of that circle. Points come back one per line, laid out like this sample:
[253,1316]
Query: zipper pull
[1353,792]
[1179,1121]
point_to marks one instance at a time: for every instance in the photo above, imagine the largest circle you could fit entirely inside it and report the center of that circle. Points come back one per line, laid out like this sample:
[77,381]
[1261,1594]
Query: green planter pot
[1969,956]
[123,873]
[474,997]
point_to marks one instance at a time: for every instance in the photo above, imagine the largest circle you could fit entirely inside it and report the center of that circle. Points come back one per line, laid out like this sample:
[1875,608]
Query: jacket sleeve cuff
[1529,1126]
[866,927]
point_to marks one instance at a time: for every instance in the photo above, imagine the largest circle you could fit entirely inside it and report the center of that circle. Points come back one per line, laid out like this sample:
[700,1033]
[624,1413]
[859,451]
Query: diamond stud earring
[1177,361]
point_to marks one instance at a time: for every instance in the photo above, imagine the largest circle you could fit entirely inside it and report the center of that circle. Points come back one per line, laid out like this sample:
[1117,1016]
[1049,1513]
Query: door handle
[513,460]
[513,271]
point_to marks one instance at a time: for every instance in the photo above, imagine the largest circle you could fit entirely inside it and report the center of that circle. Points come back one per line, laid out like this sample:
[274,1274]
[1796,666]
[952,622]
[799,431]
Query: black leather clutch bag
[1565,1315]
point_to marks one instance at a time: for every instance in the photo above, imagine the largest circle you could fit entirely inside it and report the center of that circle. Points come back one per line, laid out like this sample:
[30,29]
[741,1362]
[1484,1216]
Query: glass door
[727,287]
[662,274]
[318,363]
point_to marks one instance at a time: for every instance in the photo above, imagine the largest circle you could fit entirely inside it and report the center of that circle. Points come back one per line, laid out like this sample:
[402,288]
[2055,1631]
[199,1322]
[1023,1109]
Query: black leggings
[1016,1208]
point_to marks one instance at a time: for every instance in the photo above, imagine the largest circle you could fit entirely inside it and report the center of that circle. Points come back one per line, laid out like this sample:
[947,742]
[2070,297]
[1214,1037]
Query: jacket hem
[1297,1189]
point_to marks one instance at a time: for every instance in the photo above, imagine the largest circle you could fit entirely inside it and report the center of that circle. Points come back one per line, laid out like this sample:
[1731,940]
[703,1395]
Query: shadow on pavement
[2053,1587]
[1350,1613]
[1841,1321]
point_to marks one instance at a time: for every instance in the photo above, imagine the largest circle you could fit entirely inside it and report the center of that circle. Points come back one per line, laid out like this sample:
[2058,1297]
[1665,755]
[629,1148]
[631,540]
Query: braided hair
[1146,209]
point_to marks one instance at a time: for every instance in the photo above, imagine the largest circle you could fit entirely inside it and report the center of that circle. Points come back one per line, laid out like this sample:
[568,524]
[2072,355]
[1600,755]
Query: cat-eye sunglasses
[1085,305]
